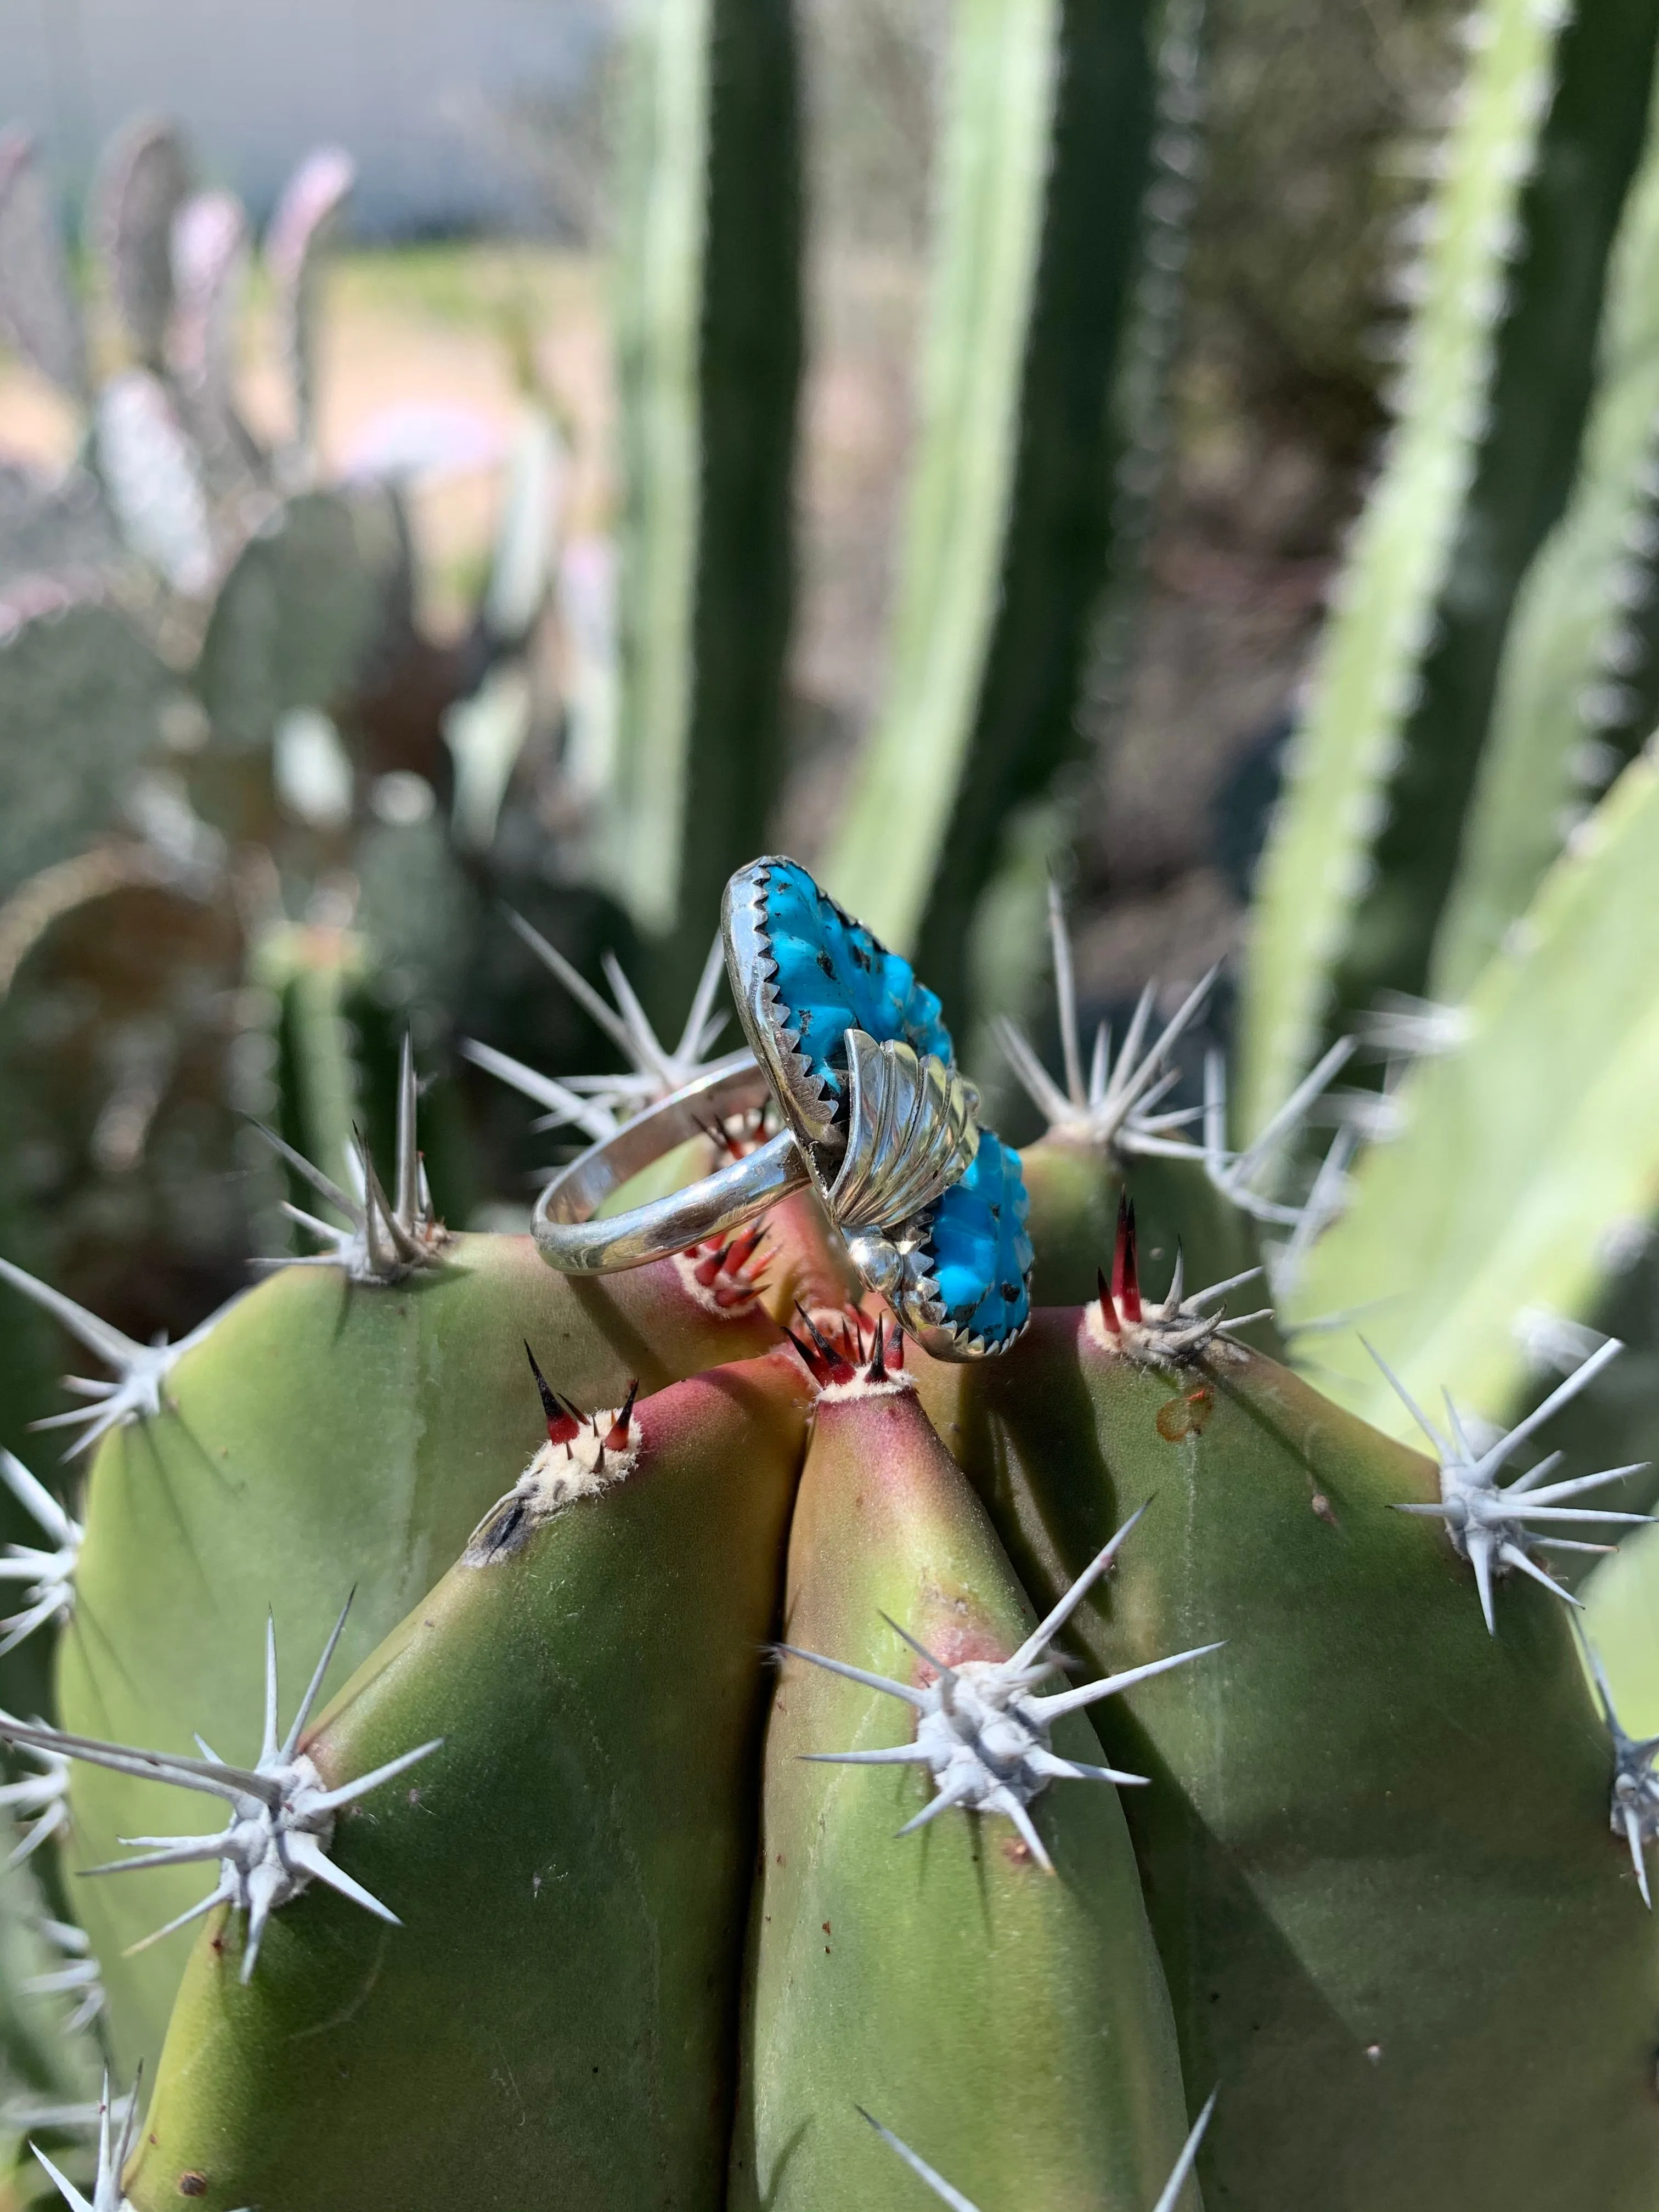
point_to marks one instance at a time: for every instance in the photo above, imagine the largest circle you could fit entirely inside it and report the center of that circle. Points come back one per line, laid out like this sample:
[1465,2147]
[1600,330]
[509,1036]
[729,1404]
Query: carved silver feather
[910,1134]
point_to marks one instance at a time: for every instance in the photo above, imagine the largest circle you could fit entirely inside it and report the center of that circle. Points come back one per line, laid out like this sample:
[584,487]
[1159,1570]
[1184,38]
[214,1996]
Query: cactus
[709,335]
[1576,690]
[568,1679]
[1249,1842]
[1014,508]
[1495,381]
[750,1761]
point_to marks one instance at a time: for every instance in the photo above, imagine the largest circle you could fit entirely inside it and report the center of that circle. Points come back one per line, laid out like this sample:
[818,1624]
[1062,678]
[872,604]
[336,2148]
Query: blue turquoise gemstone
[833,975]
[982,1255]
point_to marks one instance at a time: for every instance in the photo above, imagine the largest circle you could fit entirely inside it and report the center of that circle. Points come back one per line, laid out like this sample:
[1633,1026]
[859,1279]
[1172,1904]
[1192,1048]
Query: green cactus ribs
[933,1820]
[532,1856]
[1376,1852]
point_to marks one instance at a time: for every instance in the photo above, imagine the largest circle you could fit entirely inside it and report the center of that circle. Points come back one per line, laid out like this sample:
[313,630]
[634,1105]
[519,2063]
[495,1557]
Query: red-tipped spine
[562,1424]
[825,1362]
[616,1437]
[1126,1282]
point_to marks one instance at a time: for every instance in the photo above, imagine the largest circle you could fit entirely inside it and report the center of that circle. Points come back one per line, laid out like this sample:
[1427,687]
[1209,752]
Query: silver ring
[576,1243]
[881,1126]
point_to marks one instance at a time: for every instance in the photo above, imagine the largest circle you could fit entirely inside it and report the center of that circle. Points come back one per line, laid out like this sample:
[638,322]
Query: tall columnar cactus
[709,337]
[1033,400]
[1494,384]
[1578,685]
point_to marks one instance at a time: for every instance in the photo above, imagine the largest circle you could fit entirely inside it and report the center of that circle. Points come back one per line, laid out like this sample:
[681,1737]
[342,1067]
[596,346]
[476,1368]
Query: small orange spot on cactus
[1179,1418]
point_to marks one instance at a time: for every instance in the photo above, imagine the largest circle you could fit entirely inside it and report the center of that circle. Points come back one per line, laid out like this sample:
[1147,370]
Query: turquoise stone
[981,1252]
[833,975]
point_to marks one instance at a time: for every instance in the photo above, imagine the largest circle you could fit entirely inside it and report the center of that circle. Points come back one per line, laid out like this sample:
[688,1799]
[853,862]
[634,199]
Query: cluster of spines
[1169,2197]
[1114,1105]
[729,1271]
[1495,1526]
[566,1424]
[388,1238]
[959,1703]
[1177,1326]
[598,1105]
[837,1358]
[1117,1107]
[114,2147]
[281,1820]
[1635,1808]
[137,1392]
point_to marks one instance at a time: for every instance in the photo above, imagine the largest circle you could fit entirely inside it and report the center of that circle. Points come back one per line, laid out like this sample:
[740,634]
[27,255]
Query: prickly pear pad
[1378,1859]
[555,2020]
[325,1435]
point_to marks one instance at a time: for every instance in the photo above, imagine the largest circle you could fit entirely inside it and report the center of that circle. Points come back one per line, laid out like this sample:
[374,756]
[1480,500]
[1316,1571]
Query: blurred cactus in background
[289,879]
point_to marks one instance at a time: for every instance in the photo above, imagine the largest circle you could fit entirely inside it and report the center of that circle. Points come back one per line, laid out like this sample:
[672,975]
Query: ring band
[577,1244]
[852,1053]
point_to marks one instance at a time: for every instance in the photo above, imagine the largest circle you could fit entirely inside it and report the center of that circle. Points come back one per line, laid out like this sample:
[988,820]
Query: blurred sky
[438,102]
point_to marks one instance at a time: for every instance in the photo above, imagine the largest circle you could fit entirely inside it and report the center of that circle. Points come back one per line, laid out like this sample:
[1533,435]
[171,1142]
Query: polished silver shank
[573,1241]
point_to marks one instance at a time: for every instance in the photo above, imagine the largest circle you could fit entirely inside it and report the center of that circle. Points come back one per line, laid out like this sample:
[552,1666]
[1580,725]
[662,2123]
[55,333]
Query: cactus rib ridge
[1634,1813]
[282,1822]
[1122,1320]
[954,2198]
[388,1239]
[50,1575]
[140,1368]
[1487,1521]
[981,1733]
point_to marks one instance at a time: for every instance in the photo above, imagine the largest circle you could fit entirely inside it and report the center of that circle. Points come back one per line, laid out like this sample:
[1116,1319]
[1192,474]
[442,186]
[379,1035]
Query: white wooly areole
[981,1734]
[281,1820]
